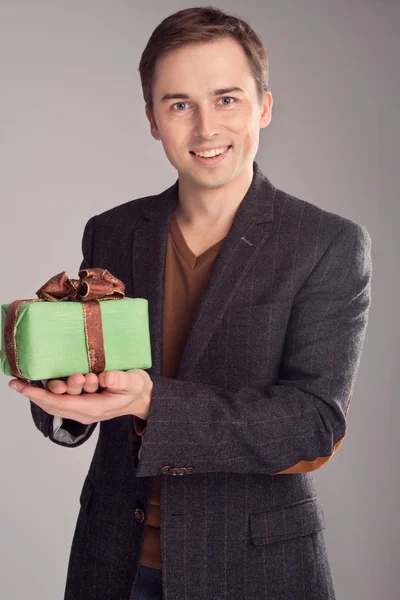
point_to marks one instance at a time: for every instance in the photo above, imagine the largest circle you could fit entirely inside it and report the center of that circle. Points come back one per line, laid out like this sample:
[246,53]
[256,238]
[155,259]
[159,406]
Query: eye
[177,104]
[223,98]
[228,98]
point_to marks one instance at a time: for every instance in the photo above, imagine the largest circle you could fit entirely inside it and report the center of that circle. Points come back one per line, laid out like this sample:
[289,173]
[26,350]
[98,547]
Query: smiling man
[206,119]
[201,485]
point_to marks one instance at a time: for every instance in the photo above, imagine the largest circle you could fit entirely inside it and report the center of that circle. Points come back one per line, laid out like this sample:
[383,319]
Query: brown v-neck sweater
[185,279]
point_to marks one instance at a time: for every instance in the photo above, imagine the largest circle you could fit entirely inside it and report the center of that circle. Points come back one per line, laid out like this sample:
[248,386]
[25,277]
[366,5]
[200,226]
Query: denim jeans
[148,584]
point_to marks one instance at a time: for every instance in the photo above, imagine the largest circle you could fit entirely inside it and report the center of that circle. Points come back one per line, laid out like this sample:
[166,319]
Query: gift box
[75,326]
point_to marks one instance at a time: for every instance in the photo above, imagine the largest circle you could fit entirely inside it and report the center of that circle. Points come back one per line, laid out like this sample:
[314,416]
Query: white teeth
[211,153]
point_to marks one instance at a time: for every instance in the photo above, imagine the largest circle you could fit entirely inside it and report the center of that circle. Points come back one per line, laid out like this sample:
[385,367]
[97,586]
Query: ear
[266,110]
[153,125]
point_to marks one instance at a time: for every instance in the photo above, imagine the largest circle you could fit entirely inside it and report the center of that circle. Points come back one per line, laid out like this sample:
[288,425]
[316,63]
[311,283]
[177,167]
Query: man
[201,483]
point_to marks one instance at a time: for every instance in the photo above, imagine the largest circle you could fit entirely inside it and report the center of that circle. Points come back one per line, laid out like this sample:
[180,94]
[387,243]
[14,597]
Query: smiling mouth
[194,154]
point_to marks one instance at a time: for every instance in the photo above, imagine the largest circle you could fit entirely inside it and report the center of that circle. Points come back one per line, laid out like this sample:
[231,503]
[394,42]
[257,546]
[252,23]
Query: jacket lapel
[250,230]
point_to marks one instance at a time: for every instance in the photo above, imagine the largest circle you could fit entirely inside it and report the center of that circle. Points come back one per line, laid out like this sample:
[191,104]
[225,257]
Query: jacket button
[139,515]
[176,471]
[165,469]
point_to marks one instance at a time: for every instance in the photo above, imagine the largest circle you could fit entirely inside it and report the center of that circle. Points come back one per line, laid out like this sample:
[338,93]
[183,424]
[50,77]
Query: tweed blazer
[259,403]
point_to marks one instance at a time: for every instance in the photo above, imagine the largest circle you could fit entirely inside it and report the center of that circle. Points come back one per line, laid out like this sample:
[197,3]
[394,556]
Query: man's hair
[202,24]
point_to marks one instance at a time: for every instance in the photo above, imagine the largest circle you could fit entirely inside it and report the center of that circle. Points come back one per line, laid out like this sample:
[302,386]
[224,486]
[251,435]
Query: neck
[201,206]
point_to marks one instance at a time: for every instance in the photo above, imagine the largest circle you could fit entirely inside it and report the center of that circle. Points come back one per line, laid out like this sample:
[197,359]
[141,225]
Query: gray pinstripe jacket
[264,387]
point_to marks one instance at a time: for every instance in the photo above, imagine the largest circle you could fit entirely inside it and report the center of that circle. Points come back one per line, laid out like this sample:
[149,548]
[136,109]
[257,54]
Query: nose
[206,124]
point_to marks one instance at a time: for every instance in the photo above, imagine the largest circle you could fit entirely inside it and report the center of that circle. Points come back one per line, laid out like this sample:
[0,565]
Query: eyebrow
[219,92]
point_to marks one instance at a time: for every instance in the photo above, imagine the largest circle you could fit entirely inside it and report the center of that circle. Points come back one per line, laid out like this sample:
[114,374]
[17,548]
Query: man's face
[201,119]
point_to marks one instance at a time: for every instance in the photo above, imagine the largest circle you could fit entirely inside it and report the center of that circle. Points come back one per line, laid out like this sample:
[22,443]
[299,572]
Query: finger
[114,380]
[17,384]
[91,384]
[75,384]
[57,386]
[122,381]
[108,379]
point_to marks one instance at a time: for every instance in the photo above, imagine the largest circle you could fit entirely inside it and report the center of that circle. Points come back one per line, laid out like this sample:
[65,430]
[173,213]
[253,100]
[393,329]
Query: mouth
[215,160]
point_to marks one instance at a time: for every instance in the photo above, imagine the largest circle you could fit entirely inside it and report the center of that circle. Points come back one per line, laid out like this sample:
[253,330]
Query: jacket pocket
[86,494]
[287,522]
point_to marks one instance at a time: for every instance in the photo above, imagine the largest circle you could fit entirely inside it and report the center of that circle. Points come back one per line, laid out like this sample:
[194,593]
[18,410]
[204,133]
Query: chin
[211,184]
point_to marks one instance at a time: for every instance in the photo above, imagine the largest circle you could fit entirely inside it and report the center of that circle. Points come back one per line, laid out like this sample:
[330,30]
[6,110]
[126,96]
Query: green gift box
[76,326]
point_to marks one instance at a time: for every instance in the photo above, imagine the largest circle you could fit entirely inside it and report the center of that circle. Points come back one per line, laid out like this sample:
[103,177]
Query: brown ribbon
[93,285]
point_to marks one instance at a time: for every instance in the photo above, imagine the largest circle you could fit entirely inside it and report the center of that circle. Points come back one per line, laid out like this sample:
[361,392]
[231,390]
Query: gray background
[75,141]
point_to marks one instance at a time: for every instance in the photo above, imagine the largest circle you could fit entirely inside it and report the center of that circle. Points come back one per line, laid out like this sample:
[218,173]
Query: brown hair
[202,24]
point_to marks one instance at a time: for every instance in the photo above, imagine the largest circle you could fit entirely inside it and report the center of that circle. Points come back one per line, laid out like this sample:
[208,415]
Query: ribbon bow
[93,285]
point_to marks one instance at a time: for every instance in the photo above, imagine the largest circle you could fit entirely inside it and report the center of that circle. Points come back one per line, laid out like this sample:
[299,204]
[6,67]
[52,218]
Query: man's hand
[81,399]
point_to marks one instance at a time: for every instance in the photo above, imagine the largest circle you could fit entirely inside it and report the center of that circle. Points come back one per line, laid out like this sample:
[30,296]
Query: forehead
[203,66]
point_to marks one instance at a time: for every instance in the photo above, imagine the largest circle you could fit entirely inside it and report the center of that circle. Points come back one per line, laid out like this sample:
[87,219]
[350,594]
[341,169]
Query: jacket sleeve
[298,423]
[67,432]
